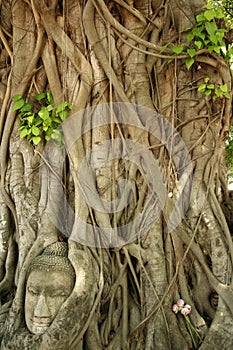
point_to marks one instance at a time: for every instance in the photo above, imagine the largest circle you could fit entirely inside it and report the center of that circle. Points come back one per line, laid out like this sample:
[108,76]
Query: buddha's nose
[41,308]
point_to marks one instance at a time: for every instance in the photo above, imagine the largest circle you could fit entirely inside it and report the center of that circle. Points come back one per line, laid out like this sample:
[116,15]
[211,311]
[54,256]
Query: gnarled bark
[107,58]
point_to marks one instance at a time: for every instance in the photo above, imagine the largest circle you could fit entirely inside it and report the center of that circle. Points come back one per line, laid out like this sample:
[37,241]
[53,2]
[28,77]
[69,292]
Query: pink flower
[186,310]
[180,302]
[175,308]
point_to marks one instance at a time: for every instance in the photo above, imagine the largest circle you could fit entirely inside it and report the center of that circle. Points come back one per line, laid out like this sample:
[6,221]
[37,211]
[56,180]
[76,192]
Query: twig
[3,38]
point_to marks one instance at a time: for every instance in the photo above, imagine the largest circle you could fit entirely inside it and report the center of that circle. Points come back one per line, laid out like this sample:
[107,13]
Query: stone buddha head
[50,281]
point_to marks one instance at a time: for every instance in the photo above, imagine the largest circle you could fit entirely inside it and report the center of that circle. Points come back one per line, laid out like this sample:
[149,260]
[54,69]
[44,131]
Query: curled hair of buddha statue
[53,258]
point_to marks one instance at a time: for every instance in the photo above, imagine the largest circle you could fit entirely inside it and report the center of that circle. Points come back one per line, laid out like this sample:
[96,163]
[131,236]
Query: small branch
[88,19]
[109,18]
[149,53]
[11,120]
[51,168]
[4,105]
[50,65]
[71,51]
[4,40]
[132,10]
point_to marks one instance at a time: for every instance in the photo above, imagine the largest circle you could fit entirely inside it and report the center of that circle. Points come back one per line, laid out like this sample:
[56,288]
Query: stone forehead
[53,258]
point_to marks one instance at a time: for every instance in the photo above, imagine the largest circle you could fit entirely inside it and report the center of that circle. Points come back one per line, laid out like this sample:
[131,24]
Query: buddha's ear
[86,270]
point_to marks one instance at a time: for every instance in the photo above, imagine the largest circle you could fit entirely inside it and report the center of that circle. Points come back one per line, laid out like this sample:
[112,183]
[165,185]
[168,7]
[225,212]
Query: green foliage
[206,34]
[218,91]
[44,123]
[226,6]
[178,49]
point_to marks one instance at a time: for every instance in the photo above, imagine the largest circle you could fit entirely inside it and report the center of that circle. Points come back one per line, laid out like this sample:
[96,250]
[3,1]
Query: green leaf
[209,15]
[47,122]
[227,95]
[206,79]
[57,120]
[47,137]
[223,88]
[207,92]
[44,114]
[23,133]
[198,44]
[213,39]
[35,130]
[38,122]
[56,135]
[30,119]
[202,88]
[49,97]
[48,134]
[211,28]
[63,115]
[26,108]
[18,104]
[210,86]
[202,36]
[164,48]
[191,52]
[200,17]
[219,13]
[49,108]
[211,48]
[53,113]
[230,50]
[60,107]
[69,105]
[198,31]
[190,37]
[219,36]
[16,97]
[22,119]
[178,49]
[189,62]
[218,93]
[36,140]
[40,96]
[217,49]
[208,6]
[206,42]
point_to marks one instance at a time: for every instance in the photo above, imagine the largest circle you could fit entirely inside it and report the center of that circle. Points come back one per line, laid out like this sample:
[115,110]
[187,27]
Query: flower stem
[192,331]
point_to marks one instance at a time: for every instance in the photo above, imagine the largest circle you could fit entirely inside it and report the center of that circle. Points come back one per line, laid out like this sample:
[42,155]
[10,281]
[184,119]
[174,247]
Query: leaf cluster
[44,123]
[227,7]
[206,34]
[216,90]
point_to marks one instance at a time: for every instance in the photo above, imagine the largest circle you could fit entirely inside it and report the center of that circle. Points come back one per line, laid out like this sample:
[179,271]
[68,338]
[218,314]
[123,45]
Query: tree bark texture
[92,53]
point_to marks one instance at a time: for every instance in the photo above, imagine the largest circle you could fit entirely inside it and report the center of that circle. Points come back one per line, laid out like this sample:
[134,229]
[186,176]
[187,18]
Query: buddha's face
[45,293]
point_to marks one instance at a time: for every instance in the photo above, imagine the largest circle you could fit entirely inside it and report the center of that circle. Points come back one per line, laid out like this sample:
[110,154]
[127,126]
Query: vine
[44,123]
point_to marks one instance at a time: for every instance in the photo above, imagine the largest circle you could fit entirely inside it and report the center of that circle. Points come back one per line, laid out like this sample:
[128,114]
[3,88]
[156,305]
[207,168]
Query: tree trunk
[138,192]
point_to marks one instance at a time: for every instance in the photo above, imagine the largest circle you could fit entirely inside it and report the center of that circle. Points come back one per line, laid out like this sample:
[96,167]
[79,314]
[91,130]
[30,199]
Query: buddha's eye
[58,294]
[33,291]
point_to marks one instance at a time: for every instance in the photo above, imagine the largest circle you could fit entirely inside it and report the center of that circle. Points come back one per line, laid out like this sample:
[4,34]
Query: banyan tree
[115,214]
